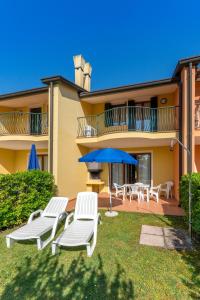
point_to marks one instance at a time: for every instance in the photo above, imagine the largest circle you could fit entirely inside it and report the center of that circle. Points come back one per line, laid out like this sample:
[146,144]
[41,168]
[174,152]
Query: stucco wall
[197,157]
[70,175]
[21,159]
[7,161]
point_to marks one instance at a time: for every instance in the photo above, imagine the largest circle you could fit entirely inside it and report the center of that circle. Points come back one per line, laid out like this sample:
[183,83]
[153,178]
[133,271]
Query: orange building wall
[197,157]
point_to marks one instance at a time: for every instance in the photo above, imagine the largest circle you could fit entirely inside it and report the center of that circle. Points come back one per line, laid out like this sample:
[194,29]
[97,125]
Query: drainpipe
[190,118]
[51,129]
[180,129]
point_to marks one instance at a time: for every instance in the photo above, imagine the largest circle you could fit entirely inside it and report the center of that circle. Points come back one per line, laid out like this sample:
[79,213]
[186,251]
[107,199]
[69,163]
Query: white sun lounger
[84,225]
[47,221]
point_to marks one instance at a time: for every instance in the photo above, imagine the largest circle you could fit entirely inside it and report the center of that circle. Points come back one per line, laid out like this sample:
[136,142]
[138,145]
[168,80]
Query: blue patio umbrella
[110,156]
[33,163]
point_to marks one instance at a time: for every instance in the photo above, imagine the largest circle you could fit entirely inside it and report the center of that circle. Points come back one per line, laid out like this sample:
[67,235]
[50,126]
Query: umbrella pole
[109,184]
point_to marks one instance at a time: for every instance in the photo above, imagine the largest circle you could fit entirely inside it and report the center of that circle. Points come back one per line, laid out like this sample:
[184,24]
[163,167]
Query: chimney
[87,76]
[79,63]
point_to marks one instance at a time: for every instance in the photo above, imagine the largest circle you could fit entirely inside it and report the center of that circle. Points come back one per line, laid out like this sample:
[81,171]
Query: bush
[22,193]
[184,194]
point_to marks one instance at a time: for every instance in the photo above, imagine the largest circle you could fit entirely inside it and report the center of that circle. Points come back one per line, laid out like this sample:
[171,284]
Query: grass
[120,268]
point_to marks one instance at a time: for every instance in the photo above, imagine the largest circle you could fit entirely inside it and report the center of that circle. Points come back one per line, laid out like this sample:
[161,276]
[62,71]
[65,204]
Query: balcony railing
[20,123]
[129,118]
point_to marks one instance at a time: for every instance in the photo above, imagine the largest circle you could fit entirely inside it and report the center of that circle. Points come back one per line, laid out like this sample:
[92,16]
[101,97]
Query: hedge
[184,194]
[22,193]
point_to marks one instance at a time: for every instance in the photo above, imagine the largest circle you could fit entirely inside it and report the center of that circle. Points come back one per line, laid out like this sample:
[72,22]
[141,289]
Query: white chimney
[79,63]
[87,76]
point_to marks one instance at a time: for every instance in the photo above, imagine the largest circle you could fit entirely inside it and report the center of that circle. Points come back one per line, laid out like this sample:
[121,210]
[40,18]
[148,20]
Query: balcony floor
[164,207]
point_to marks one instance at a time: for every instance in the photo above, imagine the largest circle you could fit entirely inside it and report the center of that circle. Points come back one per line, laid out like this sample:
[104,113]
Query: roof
[195,60]
[39,90]
[59,78]
[130,87]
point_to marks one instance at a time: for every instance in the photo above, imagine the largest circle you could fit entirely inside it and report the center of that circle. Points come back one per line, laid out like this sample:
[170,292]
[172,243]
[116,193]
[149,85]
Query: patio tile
[170,231]
[147,229]
[152,240]
[177,243]
[164,207]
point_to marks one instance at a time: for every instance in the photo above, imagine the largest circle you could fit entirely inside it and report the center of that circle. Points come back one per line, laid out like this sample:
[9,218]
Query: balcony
[129,119]
[20,123]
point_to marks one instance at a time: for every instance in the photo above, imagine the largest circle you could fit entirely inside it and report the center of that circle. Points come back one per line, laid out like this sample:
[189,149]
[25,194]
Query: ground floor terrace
[156,165]
[165,206]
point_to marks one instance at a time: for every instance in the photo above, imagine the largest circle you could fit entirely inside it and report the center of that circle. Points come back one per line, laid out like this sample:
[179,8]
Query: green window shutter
[154,105]
[108,115]
[131,115]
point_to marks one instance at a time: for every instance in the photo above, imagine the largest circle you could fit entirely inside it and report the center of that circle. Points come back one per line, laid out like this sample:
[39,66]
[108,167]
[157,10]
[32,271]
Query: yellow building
[66,120]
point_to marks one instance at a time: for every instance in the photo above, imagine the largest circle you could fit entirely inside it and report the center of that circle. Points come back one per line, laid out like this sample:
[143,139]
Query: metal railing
[129,118]
[20,123]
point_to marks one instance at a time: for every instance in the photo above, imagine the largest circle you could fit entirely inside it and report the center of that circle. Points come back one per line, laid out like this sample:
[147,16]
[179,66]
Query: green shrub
[184,194]
[22,193]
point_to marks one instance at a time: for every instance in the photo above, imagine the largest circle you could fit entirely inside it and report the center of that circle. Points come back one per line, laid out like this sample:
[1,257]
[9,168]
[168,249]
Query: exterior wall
[70,175]
[162,165]
[21,159]
[197,157]
[12,161]
[171,100]
[7,161]
[99,108]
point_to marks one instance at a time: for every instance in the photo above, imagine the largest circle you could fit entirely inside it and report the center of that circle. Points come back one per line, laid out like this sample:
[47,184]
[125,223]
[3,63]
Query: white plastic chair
[119,190]
[84,225]
[166,188]
[89,131]
[134,190]
[36,227]
[155,192]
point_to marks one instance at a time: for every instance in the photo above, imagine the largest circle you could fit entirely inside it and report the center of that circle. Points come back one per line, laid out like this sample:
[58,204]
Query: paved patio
[165,237]
[164,207]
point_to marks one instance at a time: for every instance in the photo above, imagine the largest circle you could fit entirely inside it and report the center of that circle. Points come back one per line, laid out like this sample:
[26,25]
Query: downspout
[180,129]
[51,129]
[190,118]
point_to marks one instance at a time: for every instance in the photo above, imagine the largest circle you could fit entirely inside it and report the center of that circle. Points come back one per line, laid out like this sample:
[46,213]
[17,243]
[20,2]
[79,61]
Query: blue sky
[125,41]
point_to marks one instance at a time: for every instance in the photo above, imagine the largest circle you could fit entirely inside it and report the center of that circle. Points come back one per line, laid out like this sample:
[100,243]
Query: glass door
[122,174]
[36,120]
[143,169]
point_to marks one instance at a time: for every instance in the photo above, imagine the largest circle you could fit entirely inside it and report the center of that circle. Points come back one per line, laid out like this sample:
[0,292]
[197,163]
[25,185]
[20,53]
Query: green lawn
[119,269]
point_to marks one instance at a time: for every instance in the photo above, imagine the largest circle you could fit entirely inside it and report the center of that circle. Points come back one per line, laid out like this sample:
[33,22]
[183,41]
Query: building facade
[66,120]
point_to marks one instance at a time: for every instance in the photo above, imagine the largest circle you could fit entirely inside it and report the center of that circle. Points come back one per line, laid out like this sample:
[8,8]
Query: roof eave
[195,60]
[29,92]
[130,87]
[59,78]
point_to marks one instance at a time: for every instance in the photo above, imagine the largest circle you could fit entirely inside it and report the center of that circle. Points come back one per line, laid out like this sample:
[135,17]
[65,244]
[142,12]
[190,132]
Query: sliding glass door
[122,174]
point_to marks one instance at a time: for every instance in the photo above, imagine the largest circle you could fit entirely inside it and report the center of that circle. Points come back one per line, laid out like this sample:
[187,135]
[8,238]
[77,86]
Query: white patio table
[143,187]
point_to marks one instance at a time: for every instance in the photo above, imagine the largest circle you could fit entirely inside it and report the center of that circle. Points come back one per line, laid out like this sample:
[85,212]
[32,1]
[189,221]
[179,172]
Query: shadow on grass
[190,257]
[43,277]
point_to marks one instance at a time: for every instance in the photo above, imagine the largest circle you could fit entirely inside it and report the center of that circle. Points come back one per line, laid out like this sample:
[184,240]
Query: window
[43,162]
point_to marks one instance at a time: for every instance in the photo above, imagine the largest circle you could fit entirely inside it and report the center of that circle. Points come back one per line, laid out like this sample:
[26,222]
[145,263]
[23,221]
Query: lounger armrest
[35,213]
[69,217]
[62,215]
[99,218]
